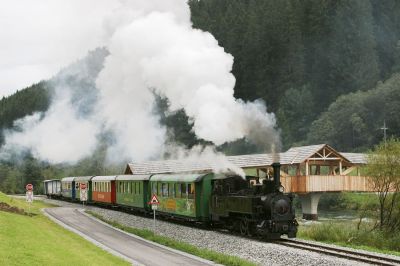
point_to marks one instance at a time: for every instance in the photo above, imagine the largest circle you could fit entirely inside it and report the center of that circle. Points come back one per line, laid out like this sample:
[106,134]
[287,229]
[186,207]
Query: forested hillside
[300,56]
[25,102]
[329,70]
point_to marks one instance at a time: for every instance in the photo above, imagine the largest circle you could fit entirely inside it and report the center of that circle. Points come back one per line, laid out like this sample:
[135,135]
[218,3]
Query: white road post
[154,207]
[154,204]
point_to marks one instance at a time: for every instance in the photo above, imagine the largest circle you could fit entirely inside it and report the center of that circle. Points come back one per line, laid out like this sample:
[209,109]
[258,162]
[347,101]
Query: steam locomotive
[247,206]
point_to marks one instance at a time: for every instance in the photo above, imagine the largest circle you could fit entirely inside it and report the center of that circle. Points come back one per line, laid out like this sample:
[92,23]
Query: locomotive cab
[251,207]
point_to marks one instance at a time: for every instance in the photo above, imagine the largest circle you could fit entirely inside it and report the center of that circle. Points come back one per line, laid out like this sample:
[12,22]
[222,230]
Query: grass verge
[346,234]
[36,240]
[182,246]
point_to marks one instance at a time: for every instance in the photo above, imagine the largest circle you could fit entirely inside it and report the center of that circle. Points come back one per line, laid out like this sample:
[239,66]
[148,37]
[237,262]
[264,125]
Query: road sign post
[154,202]
[29,196]
[83,193]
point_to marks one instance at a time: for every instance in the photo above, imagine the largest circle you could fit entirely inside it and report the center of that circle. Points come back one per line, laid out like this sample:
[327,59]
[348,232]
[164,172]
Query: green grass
[36,240]
[172,243]
[346,234]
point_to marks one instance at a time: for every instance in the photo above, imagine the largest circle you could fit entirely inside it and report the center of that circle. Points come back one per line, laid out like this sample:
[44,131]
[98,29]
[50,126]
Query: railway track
[323,249]
[340,252]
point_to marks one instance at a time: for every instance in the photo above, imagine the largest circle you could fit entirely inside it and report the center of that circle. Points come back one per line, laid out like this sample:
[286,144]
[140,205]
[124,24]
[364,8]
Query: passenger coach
[132,191]
[103,189]
[52,188]
[83,180]
[68,188]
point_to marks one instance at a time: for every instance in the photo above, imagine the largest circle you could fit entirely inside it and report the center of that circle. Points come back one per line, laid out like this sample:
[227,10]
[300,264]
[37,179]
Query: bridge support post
[309,205]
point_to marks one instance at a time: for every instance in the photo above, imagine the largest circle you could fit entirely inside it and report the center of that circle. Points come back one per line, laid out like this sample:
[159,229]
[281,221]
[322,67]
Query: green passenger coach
[83,180]
[132,191]
[183,195]
[68,188]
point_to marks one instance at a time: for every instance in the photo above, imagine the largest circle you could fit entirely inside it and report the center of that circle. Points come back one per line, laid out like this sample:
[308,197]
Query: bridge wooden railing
[325,183]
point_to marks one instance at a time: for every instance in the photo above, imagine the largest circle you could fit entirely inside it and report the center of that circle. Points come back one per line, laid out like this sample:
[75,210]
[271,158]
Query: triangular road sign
[154,200]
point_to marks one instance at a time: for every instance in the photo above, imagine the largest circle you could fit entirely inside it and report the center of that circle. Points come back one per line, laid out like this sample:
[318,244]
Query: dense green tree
[383,168]
[315,63]
[295,115]
[387,32]
[32,172]
[22,103]
[354,120]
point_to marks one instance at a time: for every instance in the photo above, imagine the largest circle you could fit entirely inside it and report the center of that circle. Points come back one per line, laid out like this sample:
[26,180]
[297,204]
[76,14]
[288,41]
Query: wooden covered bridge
[307,171]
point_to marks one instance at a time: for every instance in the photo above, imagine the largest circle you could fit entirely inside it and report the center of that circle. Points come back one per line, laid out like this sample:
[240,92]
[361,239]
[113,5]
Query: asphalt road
[133,248]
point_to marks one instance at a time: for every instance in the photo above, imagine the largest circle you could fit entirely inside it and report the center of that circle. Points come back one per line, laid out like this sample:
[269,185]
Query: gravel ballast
[262,253]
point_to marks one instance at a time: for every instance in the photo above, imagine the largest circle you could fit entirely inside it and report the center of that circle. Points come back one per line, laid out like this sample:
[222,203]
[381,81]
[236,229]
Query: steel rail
[340,252]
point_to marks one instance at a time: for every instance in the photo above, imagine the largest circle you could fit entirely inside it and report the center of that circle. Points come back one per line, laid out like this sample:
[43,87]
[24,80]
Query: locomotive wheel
[244,227]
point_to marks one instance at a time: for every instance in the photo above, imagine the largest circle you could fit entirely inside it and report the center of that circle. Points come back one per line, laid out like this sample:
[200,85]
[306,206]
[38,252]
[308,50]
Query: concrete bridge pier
[309,205]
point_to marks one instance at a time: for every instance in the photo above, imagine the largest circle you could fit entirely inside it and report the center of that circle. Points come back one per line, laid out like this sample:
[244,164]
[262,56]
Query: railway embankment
[30,238]
[259,252]
[350,220]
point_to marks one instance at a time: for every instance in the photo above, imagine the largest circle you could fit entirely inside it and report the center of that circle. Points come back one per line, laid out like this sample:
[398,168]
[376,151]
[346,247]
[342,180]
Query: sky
[152,48]
[38,38]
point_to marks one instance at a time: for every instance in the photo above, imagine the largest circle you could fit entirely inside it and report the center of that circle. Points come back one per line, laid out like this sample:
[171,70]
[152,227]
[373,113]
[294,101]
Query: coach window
[154,188]
[171,190]
[191,191]
[178,190]
[159,188]
[183,190]
[164,187]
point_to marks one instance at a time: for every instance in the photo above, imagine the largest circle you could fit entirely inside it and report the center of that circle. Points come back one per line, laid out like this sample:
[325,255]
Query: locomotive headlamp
[263,198]
[281,189]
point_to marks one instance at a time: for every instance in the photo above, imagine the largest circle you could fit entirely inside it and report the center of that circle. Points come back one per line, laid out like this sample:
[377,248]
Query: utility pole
[384,128]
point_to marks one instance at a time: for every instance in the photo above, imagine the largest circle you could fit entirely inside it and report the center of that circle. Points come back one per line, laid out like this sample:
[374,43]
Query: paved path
[133,248]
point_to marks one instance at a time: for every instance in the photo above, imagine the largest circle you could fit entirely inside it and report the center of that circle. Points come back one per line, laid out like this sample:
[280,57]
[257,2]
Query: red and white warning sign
[29,196]
[154,200]
[29,187]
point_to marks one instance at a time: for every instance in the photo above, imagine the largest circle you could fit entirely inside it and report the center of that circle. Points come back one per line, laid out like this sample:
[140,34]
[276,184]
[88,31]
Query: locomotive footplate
[274,230]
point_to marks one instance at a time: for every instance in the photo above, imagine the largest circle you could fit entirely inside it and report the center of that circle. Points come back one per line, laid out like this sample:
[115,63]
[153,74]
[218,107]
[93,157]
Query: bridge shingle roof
[294,155]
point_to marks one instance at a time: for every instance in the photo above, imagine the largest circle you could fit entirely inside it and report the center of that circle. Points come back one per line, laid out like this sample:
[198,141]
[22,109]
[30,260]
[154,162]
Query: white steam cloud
[152,47]
[58,137]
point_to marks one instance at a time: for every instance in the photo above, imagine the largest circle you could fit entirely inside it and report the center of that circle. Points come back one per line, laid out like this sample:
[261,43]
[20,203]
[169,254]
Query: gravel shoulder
[262,253]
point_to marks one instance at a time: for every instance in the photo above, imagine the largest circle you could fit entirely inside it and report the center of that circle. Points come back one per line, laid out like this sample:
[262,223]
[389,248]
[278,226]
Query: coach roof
[132,177]
[104,178]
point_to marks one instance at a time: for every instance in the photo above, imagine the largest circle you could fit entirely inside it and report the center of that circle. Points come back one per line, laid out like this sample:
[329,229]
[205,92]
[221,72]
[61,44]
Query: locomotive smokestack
[277,174]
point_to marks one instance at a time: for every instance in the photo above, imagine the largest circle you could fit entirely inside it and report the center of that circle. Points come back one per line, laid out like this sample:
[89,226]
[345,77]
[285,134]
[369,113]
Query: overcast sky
[39,37]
